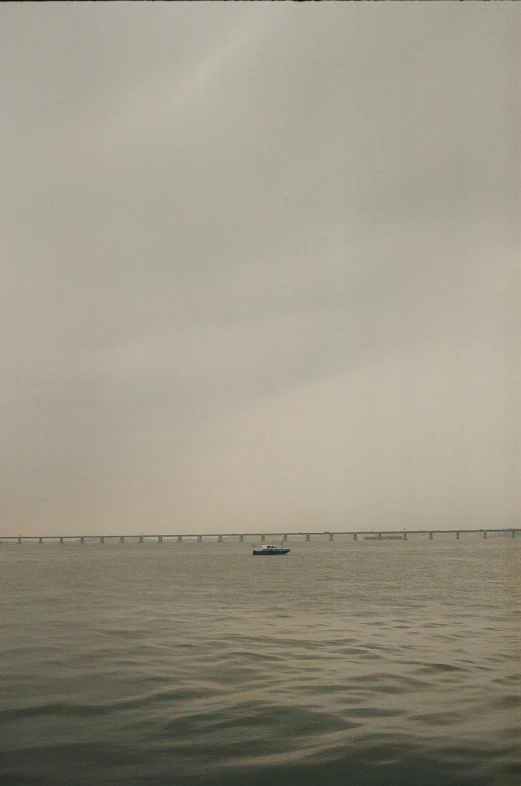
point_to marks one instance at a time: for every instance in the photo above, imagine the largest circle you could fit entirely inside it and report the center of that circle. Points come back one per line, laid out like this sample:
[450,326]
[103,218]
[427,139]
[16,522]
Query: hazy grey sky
[258,266]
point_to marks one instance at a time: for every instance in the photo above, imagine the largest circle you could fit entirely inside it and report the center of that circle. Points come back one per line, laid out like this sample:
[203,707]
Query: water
[343,663]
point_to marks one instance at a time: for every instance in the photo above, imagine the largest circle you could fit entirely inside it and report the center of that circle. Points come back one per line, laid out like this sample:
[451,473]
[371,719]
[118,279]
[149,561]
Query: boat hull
[270,553]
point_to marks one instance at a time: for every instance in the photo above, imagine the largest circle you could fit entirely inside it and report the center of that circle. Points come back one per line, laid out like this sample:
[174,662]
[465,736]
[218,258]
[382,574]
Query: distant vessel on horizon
[269,550]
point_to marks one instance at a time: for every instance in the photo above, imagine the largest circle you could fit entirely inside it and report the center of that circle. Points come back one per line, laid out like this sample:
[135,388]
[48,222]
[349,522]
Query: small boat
[265,550]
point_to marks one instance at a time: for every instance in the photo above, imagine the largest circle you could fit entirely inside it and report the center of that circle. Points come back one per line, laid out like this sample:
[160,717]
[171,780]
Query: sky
[259,267]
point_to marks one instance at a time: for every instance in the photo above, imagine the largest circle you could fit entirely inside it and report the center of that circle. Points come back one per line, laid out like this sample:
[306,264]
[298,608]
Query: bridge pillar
[159,538]
[82,540]
[431,535]
[513,533]
[405,536]
[284,538]
[40,540]
[199,539]
[19,540]
[355,535]
[241,538]
[331,536]
[308,536]
[102,539]
[485,535]
[219,539]
[263,538]
[140,539]
[61,540]
[379,536]
[179,538]
[457,535]
[121,539]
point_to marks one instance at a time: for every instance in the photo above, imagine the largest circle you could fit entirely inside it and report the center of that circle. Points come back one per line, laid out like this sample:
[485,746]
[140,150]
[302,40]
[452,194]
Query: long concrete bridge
[263,537]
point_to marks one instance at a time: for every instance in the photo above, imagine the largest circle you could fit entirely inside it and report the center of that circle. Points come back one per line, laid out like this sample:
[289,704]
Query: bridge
[263,537]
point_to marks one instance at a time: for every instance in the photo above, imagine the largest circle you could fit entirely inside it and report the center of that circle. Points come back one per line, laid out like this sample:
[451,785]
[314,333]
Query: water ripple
[388,673]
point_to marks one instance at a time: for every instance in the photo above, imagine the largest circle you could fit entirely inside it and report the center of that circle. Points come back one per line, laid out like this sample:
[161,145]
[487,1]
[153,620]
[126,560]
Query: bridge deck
[263,536]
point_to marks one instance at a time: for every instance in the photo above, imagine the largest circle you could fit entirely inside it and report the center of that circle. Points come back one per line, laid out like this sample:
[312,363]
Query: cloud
[240,247]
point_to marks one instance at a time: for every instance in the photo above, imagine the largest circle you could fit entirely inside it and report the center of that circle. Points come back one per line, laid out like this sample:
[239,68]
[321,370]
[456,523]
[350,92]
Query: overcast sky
[258,266]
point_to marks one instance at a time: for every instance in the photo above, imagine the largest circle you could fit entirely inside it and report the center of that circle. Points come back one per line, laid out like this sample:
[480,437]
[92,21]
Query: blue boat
[268,550]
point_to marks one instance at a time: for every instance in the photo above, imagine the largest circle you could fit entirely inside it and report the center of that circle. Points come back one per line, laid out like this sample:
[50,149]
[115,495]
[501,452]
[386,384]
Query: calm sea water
[345,663]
